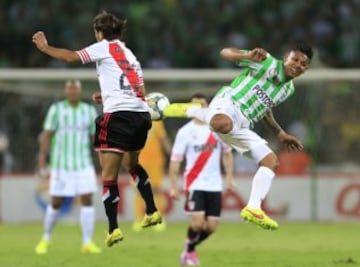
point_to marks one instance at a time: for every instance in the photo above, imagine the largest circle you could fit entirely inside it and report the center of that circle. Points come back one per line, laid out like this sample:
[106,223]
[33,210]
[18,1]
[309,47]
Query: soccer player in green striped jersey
[69,128]
[264,83]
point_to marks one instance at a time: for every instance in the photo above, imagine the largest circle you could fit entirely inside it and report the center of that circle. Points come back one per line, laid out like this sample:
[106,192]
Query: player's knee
[56,204]
[211,228]
[197,224]
[197,227]
[86,200]
[221,123]
[271,161]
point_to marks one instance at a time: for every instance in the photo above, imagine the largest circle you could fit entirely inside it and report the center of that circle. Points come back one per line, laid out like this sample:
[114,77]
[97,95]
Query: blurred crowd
[185,33]
[190,34]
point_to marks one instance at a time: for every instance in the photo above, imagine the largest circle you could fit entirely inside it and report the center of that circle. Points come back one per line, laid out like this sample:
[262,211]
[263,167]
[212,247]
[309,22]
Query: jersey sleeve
[52,118]
[251,64]
[93,115]
[179,147]
[93,53]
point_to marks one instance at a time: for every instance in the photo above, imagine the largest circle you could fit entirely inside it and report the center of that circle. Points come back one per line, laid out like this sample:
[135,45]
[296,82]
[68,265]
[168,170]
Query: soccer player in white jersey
[264,83]
[202,150]
[125,122]
[68,132]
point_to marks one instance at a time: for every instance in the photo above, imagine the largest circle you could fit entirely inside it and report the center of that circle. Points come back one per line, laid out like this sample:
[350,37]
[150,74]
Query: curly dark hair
[110,26]
[304,48]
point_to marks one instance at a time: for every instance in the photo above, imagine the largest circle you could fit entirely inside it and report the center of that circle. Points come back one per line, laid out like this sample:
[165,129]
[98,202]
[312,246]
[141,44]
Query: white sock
[49,221]
[198,113]
[260,186]
[87,222]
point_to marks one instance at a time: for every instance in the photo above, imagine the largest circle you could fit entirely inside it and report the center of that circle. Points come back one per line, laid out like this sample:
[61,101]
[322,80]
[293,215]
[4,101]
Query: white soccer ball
[157,102]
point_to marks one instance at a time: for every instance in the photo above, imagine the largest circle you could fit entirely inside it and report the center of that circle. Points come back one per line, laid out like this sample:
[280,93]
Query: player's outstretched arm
[234,54]
[39,39]
[45,139]
[291,142]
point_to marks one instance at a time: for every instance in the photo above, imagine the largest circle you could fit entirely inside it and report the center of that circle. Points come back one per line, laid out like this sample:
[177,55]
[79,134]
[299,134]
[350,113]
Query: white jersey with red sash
[202,151]
[119,73]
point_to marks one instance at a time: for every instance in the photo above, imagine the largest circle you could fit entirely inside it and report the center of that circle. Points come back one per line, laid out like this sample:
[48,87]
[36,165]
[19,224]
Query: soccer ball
[157,102]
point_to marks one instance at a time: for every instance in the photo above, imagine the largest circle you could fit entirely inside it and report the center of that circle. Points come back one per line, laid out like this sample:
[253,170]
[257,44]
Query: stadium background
[174,38]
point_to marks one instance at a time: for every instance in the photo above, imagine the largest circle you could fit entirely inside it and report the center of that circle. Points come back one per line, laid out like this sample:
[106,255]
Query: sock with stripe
[202,236]
[192,239]
[195,238]
[142,182]
[111,199]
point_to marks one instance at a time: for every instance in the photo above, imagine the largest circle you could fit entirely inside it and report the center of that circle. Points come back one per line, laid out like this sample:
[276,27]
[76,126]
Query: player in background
[202,150]
[264,83]
[125,122]
[68,132]
[153,159]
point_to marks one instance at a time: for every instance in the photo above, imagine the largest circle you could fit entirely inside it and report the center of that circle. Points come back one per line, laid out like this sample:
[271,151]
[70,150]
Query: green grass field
[294,245]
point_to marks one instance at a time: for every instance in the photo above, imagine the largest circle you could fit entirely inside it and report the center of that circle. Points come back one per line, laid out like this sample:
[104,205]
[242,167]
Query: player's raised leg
[179,110]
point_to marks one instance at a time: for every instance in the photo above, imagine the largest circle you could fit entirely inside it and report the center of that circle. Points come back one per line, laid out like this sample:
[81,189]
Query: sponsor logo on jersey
[205,147]
[263,97]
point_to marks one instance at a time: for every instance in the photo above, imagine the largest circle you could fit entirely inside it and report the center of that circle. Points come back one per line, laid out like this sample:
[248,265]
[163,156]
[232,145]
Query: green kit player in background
[264,83]
[67,137]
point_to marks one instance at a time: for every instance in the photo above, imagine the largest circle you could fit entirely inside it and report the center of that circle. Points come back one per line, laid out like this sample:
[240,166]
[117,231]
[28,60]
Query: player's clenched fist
[257,54]
[96,97]
[39,39]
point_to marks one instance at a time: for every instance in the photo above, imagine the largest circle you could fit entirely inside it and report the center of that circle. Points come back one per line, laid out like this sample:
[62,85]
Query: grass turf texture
[294,245]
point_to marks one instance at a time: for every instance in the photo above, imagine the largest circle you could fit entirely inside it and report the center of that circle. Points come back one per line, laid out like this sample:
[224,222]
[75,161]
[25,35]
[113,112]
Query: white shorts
[72,183]
[241,138]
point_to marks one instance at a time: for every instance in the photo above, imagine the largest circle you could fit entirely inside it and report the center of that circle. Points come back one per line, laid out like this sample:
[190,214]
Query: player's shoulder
[186,129]
[270,58]
[57,104]
[103,42]
[86,104]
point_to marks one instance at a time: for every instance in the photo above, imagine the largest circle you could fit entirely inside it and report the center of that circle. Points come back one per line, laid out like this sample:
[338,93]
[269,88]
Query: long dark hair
[110,26]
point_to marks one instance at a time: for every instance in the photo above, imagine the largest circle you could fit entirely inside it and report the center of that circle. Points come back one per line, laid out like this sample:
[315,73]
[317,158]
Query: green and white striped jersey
[72,128]
[260,87]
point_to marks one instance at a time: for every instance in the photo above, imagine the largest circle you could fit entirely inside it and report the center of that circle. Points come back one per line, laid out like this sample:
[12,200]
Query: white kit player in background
[202,151]
[67,136]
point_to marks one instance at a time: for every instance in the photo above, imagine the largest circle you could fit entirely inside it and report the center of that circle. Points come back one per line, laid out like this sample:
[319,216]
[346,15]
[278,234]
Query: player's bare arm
[173,174]
[291,142]
[272,123]
[166,145]
[234,54]
[228,164]
[142,89]
[39,39]
[43,151]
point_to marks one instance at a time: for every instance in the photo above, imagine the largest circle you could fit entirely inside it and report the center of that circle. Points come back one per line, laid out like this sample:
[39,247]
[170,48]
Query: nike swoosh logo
[258,216]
